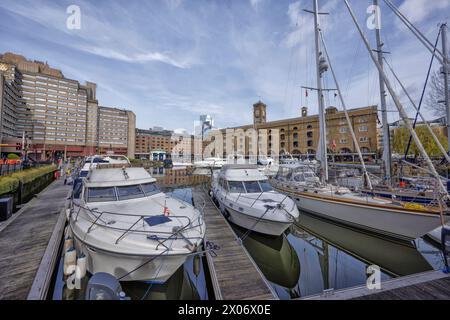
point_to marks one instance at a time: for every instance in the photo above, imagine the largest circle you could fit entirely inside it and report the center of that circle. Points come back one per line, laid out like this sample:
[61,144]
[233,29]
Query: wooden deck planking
[235,275]
[432,290]
[432,285]
[24,241]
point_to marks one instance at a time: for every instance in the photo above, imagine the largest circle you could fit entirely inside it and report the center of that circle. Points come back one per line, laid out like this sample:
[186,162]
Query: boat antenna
[398,104]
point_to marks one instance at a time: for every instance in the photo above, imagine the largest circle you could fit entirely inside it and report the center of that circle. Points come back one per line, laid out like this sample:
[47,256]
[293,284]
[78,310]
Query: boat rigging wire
[443,191]
[433,135]
[423,92]
[344,106]
[424,40]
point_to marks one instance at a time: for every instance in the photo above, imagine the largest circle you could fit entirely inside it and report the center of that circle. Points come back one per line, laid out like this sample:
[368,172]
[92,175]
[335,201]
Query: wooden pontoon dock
[234,274]
[26,238]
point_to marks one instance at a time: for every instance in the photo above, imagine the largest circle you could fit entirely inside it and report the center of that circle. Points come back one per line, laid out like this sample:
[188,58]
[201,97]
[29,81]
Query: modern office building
[177,145]
[56,115]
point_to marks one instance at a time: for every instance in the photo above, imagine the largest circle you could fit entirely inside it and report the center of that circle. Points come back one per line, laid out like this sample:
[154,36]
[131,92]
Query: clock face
[3,67]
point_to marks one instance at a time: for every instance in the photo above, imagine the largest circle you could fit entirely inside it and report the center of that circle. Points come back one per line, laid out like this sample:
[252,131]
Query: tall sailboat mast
[384,117]
[320,68]
[446,71]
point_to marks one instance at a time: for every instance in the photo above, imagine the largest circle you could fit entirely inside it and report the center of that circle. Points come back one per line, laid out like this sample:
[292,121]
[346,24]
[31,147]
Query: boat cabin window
[130,192]
[150,188]
[84,173]
[236,187]
[252,187]
[101,194]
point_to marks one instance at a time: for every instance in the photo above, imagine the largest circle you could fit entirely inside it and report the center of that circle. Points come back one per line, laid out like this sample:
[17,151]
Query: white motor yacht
[214,163]
[247,199]
[127,227]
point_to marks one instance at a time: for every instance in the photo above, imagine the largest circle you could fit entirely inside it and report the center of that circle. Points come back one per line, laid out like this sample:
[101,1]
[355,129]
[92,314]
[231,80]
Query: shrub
[10,183]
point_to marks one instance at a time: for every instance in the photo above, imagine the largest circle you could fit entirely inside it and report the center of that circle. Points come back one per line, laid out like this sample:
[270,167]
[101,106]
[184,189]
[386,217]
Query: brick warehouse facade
[58,115]
[300,136]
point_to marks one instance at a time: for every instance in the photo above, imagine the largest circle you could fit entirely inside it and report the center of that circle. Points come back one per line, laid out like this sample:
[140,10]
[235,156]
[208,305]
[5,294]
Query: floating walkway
[234,274]
[24,240]
[433,285]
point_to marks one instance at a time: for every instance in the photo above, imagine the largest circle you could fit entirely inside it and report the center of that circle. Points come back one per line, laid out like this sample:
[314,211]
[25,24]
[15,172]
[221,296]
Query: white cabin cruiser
[247,199]
[214,163]
[127,227]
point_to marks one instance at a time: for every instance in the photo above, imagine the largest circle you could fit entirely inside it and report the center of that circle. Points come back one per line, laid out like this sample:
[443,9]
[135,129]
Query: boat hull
[158,269]
[269,227]
[397,224]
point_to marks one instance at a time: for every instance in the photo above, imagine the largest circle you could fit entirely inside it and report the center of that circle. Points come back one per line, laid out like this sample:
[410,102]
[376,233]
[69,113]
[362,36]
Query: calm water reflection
[312,256]
[317,255]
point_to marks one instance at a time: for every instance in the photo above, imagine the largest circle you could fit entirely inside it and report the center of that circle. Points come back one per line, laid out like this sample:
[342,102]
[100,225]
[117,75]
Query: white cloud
[135,58]
[418,10]
[255,3]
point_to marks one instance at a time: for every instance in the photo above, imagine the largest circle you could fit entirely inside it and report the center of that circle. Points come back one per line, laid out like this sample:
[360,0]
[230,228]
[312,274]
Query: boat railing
[151,234]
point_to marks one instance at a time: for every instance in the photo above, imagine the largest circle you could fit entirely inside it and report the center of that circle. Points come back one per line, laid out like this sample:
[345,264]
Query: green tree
[400,140]
[13,156]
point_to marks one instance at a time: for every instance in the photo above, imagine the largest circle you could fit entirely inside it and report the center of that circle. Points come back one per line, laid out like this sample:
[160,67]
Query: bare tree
[435,97]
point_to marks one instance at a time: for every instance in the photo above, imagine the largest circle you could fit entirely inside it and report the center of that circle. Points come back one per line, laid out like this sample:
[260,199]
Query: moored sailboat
[381,216]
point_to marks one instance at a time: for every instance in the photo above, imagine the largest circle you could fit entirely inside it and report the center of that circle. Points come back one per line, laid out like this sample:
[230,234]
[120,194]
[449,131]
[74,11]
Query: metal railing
[6,169]
[154,235]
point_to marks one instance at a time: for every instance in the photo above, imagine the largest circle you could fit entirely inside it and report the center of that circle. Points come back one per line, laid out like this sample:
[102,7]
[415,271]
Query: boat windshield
[252,187]
[150,188]
[236,187]
[265,186]
[101,194]
[249,186]
[130,192]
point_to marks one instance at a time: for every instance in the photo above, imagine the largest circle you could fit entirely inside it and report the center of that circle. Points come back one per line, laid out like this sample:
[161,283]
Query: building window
[310,143]
[309,134]
[295,144]
[363,129]
[295,135]
[343,129]
[363,139]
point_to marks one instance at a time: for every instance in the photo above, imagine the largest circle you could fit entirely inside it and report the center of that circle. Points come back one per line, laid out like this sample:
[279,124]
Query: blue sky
[170,61]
